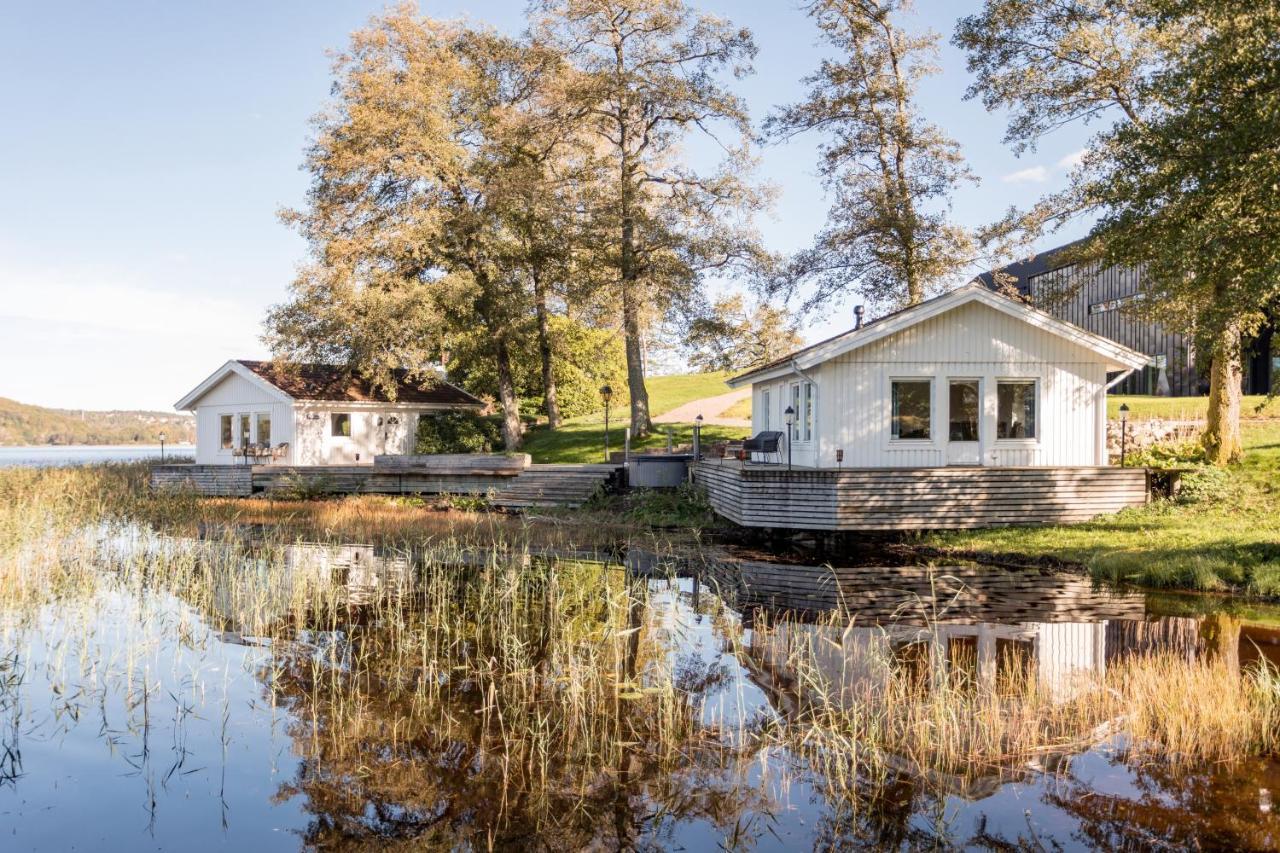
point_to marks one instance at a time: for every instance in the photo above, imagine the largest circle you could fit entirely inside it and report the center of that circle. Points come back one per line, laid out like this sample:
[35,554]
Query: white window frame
[229,448]
[931,441]
[257,417]
[800,393]
[351,426]
[766,402]
[1016,442]
[244,419]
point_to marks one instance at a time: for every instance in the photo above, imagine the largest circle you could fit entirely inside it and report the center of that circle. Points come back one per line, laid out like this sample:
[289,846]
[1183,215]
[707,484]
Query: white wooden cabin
[970,378]
[310,414]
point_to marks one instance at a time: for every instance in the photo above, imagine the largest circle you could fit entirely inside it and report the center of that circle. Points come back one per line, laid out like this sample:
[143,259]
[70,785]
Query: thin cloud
[1030,175]
[1075,158]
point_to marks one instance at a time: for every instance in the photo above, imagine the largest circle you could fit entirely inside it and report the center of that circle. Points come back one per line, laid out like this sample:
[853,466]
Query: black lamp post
[606,394]
[162,437]
[1124,432]
[789,415]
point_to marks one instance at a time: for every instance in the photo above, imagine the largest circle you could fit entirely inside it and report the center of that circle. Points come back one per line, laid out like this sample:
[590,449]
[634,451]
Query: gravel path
[710,408]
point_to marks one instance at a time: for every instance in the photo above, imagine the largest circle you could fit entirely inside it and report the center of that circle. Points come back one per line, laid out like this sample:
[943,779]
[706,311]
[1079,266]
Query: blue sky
[146,148]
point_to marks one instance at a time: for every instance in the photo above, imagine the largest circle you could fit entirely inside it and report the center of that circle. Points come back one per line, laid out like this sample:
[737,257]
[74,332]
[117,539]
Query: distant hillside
[23,424]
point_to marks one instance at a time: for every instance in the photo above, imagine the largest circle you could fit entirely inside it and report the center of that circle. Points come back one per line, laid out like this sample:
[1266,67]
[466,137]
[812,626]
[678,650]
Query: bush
[457,432]
[1167,455]
[1206,486]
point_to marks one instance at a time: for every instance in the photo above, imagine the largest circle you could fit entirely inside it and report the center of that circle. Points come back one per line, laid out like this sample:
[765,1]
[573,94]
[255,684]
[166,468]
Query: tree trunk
[641,425]
[1221,438]
[550,405]
[512,429]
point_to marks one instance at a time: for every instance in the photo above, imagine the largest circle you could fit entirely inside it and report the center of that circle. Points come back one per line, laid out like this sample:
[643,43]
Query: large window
[341,425]
[911,408]
[264,429]
[244,431]
[1016,408]
[962,410]
[802,405]
[226,433]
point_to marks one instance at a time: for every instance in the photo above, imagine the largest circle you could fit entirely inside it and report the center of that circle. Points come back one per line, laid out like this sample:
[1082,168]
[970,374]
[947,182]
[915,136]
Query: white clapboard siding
[972,341]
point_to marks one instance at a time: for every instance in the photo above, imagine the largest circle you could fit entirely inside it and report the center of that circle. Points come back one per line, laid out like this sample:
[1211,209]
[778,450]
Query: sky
[146,149]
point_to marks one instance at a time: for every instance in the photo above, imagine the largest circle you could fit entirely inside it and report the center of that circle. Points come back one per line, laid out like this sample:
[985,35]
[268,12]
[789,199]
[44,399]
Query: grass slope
[582,439]
[1227,540]
[1187,408]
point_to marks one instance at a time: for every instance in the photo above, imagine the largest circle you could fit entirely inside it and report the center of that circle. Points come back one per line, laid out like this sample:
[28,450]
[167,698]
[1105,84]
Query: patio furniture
[768,443]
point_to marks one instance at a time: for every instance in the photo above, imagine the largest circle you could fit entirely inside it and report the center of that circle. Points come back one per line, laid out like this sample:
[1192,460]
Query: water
[84,454]
[240,708]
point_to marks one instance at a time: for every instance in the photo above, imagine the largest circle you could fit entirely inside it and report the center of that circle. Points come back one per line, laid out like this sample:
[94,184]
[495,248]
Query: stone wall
[1145,433]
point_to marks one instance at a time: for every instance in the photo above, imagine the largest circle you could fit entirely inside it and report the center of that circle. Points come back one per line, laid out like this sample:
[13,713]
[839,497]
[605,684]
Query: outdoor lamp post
[606,394]
[697,438]
[789,415]
[1124,431]
[162,436]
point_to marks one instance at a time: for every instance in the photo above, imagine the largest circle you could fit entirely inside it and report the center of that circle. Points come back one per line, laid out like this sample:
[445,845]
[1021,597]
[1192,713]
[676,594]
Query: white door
[964,422]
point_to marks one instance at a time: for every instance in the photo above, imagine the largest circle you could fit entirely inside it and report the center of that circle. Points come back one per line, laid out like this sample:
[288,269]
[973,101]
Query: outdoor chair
[768,443]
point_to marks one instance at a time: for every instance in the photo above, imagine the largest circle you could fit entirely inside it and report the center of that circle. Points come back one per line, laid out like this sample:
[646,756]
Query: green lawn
[1229,539]
[582,439]
[1186,408]
[740,409]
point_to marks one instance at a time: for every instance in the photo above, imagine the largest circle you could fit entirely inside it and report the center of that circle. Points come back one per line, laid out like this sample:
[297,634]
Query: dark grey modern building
[1102,300]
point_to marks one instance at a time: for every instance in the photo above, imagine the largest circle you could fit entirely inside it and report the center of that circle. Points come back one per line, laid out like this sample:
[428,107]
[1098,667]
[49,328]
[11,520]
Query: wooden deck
[888,499]
[531,486]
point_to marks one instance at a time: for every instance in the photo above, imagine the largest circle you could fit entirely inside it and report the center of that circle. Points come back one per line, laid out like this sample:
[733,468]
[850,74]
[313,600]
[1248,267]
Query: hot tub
[659,470]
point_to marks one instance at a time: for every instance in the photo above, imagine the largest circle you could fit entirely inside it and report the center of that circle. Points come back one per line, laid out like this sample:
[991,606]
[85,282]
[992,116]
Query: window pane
[911,409]
[1015,410]
[963,409]
[244,430]
[796,410]
[228,439]
[264,429]
[342,425]
[764,411]
[808,411]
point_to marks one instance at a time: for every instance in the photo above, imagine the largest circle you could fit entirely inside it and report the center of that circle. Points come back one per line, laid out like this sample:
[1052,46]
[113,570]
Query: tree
[647,79]
[731,338]
[583,359]
[415,181]
[1183,180]
[888,236]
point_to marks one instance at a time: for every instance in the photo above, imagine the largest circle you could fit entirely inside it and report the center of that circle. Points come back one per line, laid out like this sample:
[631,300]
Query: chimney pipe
[857,316]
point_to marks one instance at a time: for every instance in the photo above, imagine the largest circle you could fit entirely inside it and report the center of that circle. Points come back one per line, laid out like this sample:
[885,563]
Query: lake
[238,688]
[85,454]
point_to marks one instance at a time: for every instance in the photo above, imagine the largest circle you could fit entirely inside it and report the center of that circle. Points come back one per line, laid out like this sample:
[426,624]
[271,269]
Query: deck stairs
[557,485]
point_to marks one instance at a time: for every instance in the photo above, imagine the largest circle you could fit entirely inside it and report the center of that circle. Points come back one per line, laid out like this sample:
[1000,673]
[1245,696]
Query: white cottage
[309,414]
[968,378]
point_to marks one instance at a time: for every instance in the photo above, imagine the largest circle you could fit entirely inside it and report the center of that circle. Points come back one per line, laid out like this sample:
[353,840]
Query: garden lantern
[789,415]
[606,394]
[162,437]
[1124,431]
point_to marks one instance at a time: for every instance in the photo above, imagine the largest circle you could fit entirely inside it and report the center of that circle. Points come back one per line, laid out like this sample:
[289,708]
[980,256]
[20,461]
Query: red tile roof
[333,383]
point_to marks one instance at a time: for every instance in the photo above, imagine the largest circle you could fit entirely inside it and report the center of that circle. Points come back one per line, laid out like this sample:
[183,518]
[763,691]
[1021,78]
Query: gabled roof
[331,384]
[1117,356]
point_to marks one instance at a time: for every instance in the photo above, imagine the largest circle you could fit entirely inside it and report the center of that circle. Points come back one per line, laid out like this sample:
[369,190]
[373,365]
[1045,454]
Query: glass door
[964,417]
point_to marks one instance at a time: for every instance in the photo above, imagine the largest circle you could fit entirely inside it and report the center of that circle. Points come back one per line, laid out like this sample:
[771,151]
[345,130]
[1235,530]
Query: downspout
[1100,416]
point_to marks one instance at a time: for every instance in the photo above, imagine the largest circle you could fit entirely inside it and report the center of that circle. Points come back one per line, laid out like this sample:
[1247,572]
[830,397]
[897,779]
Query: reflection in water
[353,695]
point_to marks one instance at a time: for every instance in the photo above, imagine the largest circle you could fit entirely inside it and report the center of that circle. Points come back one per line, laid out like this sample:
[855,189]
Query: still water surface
[135,719]
[86,454]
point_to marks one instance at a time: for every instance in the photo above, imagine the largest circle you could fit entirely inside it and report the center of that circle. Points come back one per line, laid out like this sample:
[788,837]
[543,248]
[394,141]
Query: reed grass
[469,682]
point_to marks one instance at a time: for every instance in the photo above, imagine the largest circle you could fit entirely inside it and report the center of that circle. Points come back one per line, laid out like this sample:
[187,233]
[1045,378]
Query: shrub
[1167,455]
[1206,486]
[457,432]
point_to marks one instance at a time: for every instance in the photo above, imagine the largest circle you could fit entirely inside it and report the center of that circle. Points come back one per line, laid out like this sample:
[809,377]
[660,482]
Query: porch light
[162,438]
